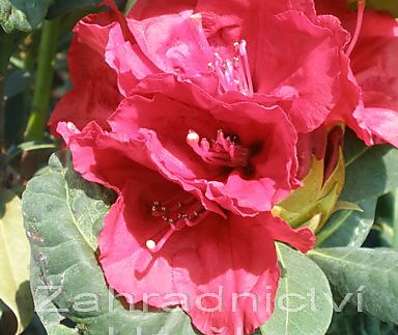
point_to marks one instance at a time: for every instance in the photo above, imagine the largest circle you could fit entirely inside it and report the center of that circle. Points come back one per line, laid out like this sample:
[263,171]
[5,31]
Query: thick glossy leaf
[304,302]
[35,10]
[387,217]
[50,316]
[352,322]
[14,260]
[370,172]
[23,15]
[373,272]
[349,227]
[62,330]
[63,215]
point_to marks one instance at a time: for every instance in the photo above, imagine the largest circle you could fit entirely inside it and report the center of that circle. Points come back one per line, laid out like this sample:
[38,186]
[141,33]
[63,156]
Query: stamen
[224,151]
[151,244]
[245,57]
[156,247]
[358,28]
[193,137]
[234,74]
[178,214]
[197,17]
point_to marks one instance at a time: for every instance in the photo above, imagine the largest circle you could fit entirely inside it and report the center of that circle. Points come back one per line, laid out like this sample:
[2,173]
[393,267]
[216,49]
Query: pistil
[178,215]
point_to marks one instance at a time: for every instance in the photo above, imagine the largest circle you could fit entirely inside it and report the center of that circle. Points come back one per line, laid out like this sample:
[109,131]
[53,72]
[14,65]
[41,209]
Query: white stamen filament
[234,74]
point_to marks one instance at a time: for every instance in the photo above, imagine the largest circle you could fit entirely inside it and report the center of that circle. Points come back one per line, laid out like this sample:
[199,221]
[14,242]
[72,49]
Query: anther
[150,244]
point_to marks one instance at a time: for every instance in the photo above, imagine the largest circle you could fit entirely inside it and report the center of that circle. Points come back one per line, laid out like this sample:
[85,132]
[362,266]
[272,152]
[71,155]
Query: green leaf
[304,301]
[390,6]
[349,227]
[22,15]
[35,10]
[8,44]
[129,6]
[373,272]
[63,215]
[60,7]
[50,316]
[370,172]
[2,308]
[351,322]
[30,146]
[16,83]
[14,260]
[387,217]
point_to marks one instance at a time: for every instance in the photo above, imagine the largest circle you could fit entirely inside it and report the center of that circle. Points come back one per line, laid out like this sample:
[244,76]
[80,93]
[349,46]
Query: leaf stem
[44,80]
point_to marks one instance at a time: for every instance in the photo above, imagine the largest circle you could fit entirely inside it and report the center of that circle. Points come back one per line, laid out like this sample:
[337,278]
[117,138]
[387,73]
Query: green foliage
[350,322]
[370,173]
[22,15]
[303,297]
[372,272]
[63,215]
[349,227]
[14,260]
[390,6]
[61,7]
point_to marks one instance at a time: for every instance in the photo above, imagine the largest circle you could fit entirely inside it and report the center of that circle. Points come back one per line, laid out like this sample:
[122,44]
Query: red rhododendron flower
[257,51]
[218,82]
[278,51]
[220,150]
[160,245]
[374,67]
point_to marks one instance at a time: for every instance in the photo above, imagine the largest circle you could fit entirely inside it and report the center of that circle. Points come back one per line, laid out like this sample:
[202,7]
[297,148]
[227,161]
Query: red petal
[181,47]
[170,121]
[302,239]
[208,269]
[94,95]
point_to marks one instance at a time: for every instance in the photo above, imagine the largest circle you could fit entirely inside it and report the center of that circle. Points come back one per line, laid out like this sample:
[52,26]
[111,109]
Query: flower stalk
[44,79]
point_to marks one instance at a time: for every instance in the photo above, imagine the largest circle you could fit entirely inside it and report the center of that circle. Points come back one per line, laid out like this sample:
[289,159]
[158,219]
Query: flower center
[234,73]
[223,151]
[178,213]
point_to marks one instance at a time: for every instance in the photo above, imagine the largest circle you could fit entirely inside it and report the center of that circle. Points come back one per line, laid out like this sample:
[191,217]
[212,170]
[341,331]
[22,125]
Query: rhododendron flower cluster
[202,116]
